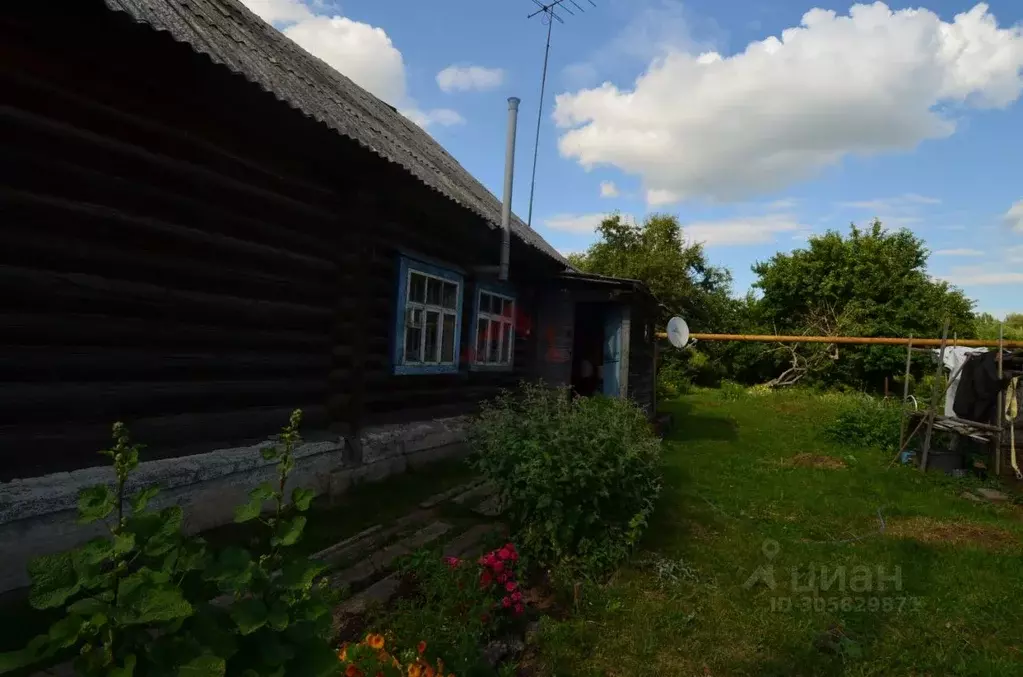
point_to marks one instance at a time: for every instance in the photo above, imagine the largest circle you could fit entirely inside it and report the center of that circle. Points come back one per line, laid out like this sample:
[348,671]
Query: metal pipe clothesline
[856,340]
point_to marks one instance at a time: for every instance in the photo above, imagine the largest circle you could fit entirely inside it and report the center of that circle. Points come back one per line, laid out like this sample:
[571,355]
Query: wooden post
[905,395]
[932,410]
[1000,413]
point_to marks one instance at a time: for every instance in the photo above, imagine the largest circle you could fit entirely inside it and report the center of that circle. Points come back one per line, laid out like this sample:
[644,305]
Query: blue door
[612,351]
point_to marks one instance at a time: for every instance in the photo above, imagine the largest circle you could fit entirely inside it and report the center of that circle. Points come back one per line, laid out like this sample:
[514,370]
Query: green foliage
[1012,326]
[732,391]
[457,607]
[871,283]
[676,271]
[865,421]
[672,381]
[140,600]
[579,476]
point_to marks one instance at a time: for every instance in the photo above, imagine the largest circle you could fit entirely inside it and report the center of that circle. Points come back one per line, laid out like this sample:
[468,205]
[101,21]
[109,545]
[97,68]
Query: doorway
[598,348]
[588,349]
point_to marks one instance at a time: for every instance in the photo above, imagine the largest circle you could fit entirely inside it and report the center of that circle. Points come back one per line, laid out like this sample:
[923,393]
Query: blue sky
[757,123]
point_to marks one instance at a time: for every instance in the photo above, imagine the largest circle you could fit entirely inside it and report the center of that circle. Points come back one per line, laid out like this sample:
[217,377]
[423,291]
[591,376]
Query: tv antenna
[548,17]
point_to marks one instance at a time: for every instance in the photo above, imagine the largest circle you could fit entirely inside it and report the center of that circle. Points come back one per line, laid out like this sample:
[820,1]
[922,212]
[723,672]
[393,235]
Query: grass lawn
[750,478]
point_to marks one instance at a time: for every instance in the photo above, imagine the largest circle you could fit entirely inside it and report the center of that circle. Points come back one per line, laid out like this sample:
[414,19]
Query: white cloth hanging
[955,358]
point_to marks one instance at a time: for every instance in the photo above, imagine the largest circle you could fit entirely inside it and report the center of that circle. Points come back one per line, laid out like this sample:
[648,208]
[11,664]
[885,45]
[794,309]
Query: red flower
[486,579]
[502,577]
[421,648]
[506,602]
[510,586]
[519,609]
[451,561]
[504,553]
[497,566]
[516,596]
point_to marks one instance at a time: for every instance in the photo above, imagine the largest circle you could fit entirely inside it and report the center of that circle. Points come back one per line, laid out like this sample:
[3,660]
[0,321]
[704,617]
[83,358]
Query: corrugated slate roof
[231,35]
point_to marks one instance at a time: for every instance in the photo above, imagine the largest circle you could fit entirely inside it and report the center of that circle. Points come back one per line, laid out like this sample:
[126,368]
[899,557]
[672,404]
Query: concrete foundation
[37,515]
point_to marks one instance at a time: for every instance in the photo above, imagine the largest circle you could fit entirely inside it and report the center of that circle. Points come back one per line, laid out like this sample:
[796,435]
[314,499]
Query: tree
[678,274]
[676,271]
[1012,326]
[871,283]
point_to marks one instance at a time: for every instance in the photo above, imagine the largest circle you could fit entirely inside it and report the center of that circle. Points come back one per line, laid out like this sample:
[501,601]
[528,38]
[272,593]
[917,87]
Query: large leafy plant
[145,600]
[579,476]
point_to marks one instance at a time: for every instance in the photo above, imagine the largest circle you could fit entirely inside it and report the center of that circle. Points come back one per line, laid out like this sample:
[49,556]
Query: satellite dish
[678,332]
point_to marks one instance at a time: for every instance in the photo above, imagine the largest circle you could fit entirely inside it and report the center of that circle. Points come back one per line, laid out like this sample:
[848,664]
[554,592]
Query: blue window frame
[493,328]
[428,326]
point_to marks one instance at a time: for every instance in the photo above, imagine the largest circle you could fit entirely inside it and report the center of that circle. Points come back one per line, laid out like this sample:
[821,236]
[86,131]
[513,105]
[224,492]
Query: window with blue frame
[429,321]
[493,328]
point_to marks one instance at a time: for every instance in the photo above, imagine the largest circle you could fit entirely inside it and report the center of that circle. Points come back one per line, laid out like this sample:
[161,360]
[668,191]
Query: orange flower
[415,671]
[353,671]
[343,652]
[428,671]
[421,648]
[375,641]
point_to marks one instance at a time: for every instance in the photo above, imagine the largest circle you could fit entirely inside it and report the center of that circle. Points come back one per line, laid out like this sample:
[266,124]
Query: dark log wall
[181,251]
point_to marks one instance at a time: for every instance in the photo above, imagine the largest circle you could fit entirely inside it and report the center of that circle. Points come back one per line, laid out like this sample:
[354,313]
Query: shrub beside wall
[578,476]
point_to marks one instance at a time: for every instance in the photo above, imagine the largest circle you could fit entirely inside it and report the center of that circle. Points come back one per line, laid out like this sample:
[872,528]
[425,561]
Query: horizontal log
[104,401]
[77,363]
[49,291]
[39,249]
[127,191]
[76,329]
[98,220]
[68,137]
[32,450]
[148,132]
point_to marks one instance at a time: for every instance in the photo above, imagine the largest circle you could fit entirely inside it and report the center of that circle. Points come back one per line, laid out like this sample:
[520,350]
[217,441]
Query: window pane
[508,310]
[506,347]
[414,317]
[450,295]
[447,351]
[412,338]
[433,291]
[484,302]
[430,349]
[493,353]
[481,341]
[417,288]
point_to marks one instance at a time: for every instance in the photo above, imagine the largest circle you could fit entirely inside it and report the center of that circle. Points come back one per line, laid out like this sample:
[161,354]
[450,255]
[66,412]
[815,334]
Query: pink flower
[506,602]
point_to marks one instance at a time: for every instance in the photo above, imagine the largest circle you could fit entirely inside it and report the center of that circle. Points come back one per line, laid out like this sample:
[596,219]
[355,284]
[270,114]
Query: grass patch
[753,482]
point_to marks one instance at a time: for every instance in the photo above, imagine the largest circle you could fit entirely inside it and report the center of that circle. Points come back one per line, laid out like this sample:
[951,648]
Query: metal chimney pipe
[509,173]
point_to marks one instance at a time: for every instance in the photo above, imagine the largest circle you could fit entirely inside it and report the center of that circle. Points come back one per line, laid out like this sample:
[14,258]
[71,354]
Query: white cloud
[977,276]
[907,202]
[744,230]
[465,78]
[584,224]
[958,252]
[725,128]
[1014,217]
[361,52]
[608,189]
[445,117]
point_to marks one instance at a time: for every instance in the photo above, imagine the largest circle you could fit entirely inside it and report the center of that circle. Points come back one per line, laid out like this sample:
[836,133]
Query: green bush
[578,476]
[672,381]
[732,391]
[864,421]
[146,600]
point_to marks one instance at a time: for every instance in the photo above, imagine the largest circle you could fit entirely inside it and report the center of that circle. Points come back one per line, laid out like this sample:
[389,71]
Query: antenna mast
[548,17]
